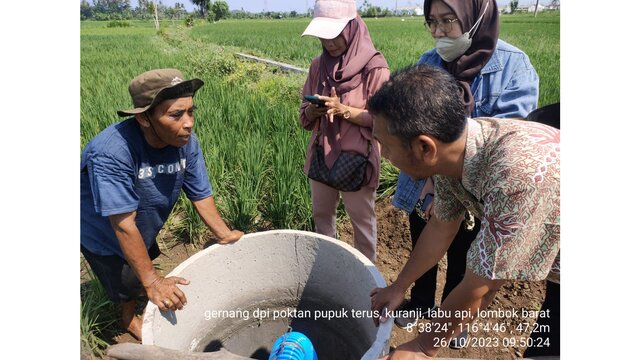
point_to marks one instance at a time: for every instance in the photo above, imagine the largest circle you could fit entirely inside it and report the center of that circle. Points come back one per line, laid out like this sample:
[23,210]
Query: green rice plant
[191,227]
[400,40]
[248,179]
[118,23]
[539,38]
[279,89]
[388,179]
[283,202]
[303,196]
[109,59]
[98,317]
[189,21]
[247,117]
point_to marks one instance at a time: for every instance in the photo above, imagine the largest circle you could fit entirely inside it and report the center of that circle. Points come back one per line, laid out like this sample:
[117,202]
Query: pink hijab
[345,73]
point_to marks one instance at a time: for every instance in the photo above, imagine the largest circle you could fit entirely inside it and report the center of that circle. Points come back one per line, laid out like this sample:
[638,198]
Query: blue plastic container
[293,346]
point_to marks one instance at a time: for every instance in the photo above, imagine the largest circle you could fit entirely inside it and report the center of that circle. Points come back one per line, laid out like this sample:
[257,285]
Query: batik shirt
[511,181]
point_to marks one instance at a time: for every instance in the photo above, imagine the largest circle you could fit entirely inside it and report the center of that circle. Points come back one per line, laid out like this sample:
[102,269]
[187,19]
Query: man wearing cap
[131,176]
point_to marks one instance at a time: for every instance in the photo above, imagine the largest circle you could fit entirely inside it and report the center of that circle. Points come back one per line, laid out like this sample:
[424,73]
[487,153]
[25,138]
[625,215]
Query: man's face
[172,122]
[407,159]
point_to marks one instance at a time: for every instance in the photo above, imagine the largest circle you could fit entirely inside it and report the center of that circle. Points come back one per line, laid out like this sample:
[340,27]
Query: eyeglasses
[446,25]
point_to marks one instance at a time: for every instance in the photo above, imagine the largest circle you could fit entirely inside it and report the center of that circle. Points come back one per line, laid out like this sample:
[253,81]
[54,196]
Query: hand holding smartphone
[315,100]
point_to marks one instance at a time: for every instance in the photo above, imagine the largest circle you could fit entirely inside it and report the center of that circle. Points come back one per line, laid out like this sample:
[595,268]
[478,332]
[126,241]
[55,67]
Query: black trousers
[548,327]
[423,292]
[116,276]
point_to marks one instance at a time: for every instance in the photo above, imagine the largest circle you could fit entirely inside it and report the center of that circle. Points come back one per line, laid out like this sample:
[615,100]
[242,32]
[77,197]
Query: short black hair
[421,99]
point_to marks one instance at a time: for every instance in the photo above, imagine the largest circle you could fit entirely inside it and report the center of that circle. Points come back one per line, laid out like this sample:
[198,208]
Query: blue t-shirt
[121,173]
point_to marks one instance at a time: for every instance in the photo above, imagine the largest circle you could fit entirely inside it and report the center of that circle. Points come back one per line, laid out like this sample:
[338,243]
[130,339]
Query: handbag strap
[317,142]
[317,131]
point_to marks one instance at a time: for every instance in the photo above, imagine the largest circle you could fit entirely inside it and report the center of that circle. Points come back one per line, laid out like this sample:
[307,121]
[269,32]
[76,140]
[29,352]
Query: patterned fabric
[348,173]
[511,181]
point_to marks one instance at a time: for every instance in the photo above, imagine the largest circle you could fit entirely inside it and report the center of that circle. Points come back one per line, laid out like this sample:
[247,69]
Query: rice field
[247,117]
[246,120]
[401,40]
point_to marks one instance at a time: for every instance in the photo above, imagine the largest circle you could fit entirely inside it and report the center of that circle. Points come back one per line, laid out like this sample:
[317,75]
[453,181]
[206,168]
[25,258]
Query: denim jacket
[507,87]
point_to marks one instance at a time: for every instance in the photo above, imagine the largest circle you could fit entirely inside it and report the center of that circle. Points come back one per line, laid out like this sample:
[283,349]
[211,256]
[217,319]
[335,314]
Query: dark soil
[394,246]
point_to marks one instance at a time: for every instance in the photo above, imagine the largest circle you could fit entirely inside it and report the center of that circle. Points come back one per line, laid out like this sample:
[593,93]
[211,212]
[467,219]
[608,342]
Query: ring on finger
[168,303]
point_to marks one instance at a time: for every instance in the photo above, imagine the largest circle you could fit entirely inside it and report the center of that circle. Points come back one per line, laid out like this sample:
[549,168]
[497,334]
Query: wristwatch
[347,114]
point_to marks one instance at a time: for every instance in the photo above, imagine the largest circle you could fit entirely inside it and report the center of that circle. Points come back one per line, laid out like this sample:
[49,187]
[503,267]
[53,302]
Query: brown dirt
[394,247]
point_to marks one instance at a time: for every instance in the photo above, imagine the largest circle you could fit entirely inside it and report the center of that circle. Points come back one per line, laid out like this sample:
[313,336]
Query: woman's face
[444,21]
[336,46]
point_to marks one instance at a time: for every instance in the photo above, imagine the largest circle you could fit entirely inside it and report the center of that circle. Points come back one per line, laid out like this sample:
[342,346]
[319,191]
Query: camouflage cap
[153,87]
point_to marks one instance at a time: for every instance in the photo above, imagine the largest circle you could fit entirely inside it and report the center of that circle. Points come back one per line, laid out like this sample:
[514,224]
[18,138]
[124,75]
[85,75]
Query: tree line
[211,10]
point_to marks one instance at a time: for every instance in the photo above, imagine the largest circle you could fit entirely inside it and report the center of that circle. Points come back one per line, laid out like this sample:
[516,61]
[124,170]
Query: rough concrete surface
[245,295]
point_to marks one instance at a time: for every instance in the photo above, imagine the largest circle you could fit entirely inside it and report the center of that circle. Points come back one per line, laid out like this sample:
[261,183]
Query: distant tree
[153,10]
[109,9]
[219,9]
[175,12]
[386,12]
[239,14]
[203,5]
[86,11]
[368,10]
[372,11]
[365,6]
[151,7]
[293,14]
[514,5]
[111,6]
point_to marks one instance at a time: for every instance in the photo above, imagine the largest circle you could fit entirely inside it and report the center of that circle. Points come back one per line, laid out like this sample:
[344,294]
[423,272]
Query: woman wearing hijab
[344,76]
[495,79]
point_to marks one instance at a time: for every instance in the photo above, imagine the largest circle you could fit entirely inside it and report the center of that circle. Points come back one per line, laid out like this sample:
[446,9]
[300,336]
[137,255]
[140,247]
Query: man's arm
[473,293]
[158,288]
[431,246]
[208,212]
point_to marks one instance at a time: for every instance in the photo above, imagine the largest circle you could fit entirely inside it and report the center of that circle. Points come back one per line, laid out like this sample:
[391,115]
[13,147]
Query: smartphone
[315,100]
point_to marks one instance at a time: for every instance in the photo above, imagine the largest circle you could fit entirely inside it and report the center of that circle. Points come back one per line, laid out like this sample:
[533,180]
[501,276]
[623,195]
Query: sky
[302,5]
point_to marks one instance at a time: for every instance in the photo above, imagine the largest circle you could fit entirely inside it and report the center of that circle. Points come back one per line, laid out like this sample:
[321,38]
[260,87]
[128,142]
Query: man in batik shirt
[505,172]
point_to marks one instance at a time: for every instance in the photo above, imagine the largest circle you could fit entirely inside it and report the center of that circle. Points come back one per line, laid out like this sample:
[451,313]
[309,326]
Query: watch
[347,114]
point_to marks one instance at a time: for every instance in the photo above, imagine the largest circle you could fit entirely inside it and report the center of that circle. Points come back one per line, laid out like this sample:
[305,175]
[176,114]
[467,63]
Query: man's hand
[161,291]
[407,351]
[208,212]
[165,293]
[386,299]
[232,237]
